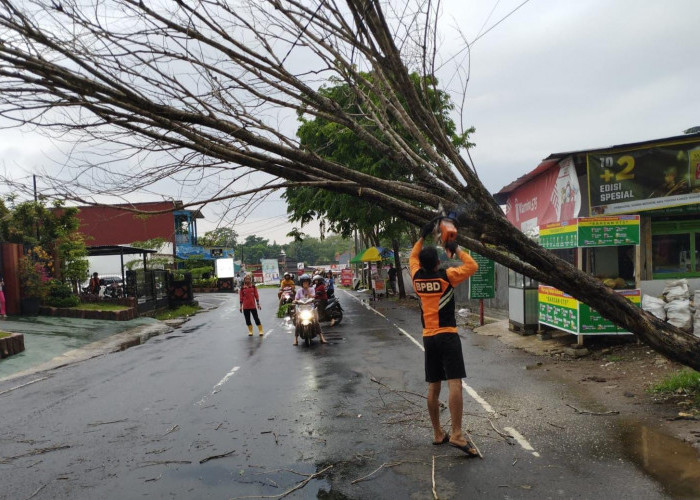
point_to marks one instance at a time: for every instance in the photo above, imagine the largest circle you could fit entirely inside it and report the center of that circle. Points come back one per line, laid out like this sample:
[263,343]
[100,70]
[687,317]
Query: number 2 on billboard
[625,174]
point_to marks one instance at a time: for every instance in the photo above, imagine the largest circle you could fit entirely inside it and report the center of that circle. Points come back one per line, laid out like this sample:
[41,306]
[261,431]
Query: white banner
[271,271]
[224,268]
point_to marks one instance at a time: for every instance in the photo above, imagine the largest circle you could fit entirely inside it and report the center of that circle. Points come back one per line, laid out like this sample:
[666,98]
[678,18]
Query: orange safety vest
[436,291]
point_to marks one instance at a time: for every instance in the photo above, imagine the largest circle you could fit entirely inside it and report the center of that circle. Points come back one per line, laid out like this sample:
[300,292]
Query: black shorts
[443,357]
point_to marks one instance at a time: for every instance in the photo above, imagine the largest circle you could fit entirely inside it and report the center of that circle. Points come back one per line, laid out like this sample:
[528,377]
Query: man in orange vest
[443,348]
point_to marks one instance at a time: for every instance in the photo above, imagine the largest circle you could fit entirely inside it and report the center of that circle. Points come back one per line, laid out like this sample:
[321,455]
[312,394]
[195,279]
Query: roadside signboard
[224,268]
[560,310]
[482,284]
[346,276]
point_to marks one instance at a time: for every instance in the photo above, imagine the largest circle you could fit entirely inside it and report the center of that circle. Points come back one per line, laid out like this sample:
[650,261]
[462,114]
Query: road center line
[469,390]
[521,440]
[225,379]
[218,385]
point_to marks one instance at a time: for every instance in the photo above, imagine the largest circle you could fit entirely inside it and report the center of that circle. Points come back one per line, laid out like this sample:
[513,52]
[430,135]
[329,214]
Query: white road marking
[475,396]
[225,379]
[267,333]
[521,440]
[218,386]
[469,390]
[410,337]
[23,385]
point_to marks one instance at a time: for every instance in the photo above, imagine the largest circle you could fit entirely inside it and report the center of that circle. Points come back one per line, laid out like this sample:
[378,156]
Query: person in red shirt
[443,348]
[249,299]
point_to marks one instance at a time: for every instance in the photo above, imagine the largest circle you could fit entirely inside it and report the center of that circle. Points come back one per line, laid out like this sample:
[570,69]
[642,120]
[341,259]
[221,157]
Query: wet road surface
[208,412]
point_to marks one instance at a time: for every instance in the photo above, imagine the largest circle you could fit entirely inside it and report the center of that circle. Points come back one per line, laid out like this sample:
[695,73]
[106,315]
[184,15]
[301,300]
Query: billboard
[270,271]
[552,196]
[646,178]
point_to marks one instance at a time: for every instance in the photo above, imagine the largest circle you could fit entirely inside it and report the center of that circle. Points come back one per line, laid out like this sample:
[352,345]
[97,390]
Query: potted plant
[34,282]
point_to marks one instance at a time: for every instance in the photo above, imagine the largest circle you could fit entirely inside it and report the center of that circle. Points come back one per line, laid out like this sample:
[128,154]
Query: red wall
[113,226]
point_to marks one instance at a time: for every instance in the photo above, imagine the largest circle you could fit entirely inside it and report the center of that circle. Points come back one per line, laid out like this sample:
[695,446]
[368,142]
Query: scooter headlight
[305,317]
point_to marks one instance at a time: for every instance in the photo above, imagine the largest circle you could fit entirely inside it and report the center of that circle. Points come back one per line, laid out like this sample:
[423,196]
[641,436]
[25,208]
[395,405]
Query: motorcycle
[333,311]
[305,322]
[287,295]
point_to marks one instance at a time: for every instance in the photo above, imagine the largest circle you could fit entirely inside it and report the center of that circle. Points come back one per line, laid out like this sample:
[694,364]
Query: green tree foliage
[255,248]
[150,244]
[53,229]
[335,142]
[219,237]
[313,251]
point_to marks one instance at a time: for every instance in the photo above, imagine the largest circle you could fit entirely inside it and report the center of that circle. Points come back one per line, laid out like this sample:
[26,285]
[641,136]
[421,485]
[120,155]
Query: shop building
[657,180]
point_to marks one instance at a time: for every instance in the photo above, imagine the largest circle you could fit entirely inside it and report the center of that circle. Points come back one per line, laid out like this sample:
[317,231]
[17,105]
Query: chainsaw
[445,229]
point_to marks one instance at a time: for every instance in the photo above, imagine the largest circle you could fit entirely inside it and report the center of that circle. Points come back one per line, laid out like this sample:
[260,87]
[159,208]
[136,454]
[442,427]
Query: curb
[113,343]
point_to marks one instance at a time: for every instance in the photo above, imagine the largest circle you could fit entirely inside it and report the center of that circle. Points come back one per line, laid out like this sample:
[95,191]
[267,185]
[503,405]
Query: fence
[149,288]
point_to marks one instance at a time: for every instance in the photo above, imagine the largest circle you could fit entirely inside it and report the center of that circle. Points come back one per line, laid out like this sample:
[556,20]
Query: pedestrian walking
[392,278]
[94,285]
[443,348]
[2,298]
[249,300]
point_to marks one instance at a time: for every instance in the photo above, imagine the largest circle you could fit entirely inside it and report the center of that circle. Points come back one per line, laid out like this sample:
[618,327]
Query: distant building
[125,224]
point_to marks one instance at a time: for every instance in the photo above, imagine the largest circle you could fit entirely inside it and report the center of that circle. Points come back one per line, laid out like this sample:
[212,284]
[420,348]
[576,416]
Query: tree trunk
[399,268]
[547,268]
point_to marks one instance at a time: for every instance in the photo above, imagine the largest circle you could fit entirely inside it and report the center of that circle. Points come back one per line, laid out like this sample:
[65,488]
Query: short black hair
[428,258]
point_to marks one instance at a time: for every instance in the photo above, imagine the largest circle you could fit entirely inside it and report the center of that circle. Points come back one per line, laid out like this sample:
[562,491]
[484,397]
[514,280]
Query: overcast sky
[552,76]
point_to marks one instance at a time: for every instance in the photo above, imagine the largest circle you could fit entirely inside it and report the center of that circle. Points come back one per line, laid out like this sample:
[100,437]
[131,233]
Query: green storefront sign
[482,284]
[608,230]
[560,310]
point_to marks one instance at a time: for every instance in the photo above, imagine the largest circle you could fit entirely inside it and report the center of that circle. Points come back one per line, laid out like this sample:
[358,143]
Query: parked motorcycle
[333,311]
[305,321]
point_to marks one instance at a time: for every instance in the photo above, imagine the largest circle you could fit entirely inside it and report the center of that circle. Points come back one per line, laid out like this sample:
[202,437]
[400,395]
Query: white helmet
[316,278]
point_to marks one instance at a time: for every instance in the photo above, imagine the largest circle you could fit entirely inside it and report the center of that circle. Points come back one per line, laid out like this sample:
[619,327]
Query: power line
[500,21]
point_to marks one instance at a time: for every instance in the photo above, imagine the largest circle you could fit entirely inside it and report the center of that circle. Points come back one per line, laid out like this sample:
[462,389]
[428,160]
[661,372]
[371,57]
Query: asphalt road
[208,412]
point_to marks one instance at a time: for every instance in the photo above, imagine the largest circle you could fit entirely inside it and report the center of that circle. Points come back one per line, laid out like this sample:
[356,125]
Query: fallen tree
[202,90]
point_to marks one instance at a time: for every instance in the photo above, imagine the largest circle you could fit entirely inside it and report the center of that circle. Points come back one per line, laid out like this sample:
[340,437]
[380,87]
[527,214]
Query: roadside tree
[207,89]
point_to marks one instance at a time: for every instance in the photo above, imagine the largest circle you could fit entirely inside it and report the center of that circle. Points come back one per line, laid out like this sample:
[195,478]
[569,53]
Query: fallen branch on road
[38,451]
[291,490]
[384,465]
[586,412]
[172,429]
[214,457]
[165,462]
[399,392]
[94,424]
[503,434]
[36,492]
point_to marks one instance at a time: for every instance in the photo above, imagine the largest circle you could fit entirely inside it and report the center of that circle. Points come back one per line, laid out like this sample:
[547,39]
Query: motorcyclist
[321,295]
[305,291]
[330,284]
[287,281]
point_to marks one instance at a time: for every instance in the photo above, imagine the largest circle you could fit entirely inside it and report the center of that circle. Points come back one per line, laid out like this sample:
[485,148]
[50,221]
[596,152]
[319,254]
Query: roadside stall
[606,247]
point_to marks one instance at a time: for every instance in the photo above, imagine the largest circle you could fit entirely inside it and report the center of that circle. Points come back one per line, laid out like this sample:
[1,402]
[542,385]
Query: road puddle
[675,464]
